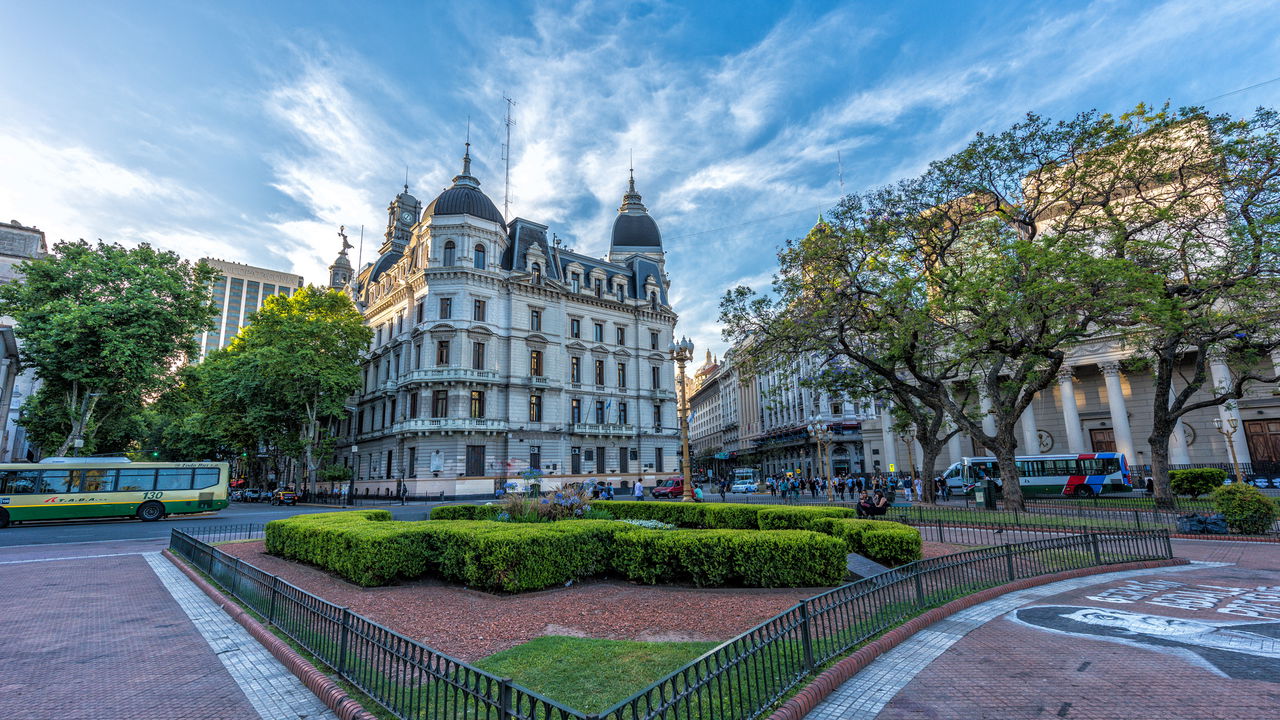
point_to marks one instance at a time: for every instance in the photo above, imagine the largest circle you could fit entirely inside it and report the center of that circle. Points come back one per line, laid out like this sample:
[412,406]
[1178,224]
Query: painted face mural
[1242,651]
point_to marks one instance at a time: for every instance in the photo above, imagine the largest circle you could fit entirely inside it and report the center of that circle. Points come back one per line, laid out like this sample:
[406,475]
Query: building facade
[17,244]
[1102,402]
[497,351]
[238,292]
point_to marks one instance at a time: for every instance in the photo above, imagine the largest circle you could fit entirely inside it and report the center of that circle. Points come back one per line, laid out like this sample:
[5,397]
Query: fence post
[504,699]
[940,538]
[1008,560]
[1097,553]
[235,578]
[919,590]
[805,639]
[1168,544]
[1137,519]
[271,609]
[342,644]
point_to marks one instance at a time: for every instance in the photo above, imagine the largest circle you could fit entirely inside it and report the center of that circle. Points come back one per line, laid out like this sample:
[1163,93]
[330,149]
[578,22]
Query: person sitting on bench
[880,505]
[865,507]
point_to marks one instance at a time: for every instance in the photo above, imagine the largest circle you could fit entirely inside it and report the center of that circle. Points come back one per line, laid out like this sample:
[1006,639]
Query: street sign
[890,467]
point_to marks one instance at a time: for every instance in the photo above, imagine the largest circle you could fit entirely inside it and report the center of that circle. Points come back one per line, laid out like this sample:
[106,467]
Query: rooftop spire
[631,200]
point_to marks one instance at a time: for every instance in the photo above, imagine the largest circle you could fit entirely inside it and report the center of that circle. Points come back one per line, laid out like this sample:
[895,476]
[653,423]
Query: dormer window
[575,282]
[450,250]
[537,273]
[599,288]
[653,301]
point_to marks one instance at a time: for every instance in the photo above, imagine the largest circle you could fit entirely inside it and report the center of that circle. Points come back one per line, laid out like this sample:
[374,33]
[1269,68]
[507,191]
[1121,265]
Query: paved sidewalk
[103,638]
[1199,641]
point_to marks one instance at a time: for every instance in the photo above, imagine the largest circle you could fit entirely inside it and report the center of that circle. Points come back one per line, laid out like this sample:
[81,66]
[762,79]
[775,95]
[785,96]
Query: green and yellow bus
[114,487]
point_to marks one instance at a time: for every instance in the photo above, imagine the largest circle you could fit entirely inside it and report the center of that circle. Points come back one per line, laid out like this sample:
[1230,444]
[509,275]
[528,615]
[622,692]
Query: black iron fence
[739,680]
[406,677]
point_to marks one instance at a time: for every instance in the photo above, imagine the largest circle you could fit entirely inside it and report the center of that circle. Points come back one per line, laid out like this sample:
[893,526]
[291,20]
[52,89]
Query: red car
[669,488]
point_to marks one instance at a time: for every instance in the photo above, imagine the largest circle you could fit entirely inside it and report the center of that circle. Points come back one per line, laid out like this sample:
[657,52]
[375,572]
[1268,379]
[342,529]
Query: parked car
[284,497]
[254,495]
[670,488]
[743,486]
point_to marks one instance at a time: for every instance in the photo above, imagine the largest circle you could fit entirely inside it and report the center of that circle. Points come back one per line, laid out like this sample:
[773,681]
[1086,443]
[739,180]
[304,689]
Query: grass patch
[590,674]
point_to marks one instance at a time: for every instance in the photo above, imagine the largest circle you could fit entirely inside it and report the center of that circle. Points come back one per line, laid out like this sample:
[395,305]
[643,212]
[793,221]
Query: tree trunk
[1160,469]
[928,465]
[1009,480]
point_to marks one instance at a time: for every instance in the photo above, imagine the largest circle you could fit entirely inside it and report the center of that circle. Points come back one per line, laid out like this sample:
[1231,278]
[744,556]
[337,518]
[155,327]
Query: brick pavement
[100,638]
[1162,643]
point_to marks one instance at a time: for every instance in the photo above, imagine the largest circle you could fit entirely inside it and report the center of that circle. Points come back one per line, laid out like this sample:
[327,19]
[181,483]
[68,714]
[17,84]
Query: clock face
[406,216]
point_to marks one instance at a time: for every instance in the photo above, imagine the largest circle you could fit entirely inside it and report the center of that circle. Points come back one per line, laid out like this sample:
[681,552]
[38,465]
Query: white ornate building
[495,350]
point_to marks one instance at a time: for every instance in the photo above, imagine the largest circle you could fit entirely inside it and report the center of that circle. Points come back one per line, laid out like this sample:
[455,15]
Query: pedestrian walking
[639,490]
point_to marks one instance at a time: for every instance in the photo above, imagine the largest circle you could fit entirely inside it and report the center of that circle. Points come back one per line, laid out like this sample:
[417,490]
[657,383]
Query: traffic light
[155,453]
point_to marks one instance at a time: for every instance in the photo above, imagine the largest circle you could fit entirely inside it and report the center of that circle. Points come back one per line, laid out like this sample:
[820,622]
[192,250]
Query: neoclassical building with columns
[497,350]
[1098,405]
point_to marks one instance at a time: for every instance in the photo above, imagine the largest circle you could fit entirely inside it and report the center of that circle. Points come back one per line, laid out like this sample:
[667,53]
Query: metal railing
[406,677]
[738,680]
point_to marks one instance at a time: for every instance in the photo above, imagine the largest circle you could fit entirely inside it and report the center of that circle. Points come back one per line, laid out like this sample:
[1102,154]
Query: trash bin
[979,495]
[988,499]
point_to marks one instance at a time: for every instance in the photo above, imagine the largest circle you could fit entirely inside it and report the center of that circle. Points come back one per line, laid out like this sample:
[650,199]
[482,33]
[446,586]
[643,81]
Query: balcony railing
[541,381]
[602,429]
[449,374]
[450,424]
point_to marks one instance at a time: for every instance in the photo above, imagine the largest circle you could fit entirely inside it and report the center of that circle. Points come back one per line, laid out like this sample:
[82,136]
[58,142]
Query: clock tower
[402,215]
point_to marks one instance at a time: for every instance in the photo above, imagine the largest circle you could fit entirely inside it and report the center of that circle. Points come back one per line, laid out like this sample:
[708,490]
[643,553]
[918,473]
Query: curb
[317,682]
[823,685]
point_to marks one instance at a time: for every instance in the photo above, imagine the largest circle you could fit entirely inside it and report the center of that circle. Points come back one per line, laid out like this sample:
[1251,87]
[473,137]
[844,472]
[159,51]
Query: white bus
[1062,475]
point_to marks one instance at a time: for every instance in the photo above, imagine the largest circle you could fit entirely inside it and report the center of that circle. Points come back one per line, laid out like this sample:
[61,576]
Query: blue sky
[249,131]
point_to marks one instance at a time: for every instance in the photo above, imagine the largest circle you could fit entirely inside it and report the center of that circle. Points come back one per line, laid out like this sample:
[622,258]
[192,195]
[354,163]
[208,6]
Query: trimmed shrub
[798,518]
[680,514]
[465,512]
[733,516]
[1196,481]
[1246,509]
[793,558]
[365,547]
[892,545]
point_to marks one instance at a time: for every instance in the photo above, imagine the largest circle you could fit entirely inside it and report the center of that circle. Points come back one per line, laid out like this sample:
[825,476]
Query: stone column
[890,449]
[8,377]
[1119,413]
[1229,410]
[988,421]
[1030,433]
[954,450]
[1070,413]
[1179,454]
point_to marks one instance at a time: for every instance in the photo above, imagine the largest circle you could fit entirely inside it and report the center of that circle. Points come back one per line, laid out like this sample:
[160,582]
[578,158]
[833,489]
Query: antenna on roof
[840,172]
[506,157]
[360,253]
[406,178]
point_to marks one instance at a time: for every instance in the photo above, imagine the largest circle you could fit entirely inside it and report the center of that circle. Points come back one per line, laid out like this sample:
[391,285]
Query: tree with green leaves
[103,326]
[969,280]
[289,372]
[1193,200]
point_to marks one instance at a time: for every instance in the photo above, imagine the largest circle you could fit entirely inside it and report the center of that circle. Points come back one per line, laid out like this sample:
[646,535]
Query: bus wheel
[150,511]
[1084,491]
[4,518]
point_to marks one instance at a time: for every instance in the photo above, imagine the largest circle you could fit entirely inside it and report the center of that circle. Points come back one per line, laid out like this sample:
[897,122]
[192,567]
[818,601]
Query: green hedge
[368,548]
[1196,481]
[799,518]
[884,541]
[680,514]
[791,558]
[1245,508]
[721,516]
[465,512]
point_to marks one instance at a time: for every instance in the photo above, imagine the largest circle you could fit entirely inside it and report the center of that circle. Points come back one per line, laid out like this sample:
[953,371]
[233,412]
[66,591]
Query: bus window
[54,481]
[133,479]
[16,482]
[1093,467]
[96,480]
[206,478]
[174,479]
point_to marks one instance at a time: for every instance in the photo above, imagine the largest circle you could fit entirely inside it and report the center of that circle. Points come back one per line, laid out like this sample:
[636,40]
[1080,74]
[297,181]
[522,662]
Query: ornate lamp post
[1227,432]
[822,436]
[355,474]
[682,353]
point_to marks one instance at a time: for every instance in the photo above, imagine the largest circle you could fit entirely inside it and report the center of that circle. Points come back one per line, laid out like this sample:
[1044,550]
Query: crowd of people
[873,494]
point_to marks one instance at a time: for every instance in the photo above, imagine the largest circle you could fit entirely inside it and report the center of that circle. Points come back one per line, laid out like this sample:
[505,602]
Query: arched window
[653,300]
[479,257]
[537,273]
[449,250]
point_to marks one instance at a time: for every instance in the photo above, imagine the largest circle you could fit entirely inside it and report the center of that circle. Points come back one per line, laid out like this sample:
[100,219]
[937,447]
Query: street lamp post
[355,473]
[682,353]
[822,437]
[1228,432]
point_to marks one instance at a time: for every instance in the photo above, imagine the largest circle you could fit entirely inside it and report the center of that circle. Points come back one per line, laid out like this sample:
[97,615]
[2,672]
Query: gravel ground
[470,625]
[933,549]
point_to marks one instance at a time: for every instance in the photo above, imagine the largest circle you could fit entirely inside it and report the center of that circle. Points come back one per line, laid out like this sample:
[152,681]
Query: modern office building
[238,292]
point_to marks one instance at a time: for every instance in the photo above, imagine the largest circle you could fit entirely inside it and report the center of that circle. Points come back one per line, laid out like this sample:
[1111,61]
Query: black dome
[384,264]
[636,231]
[463,200]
